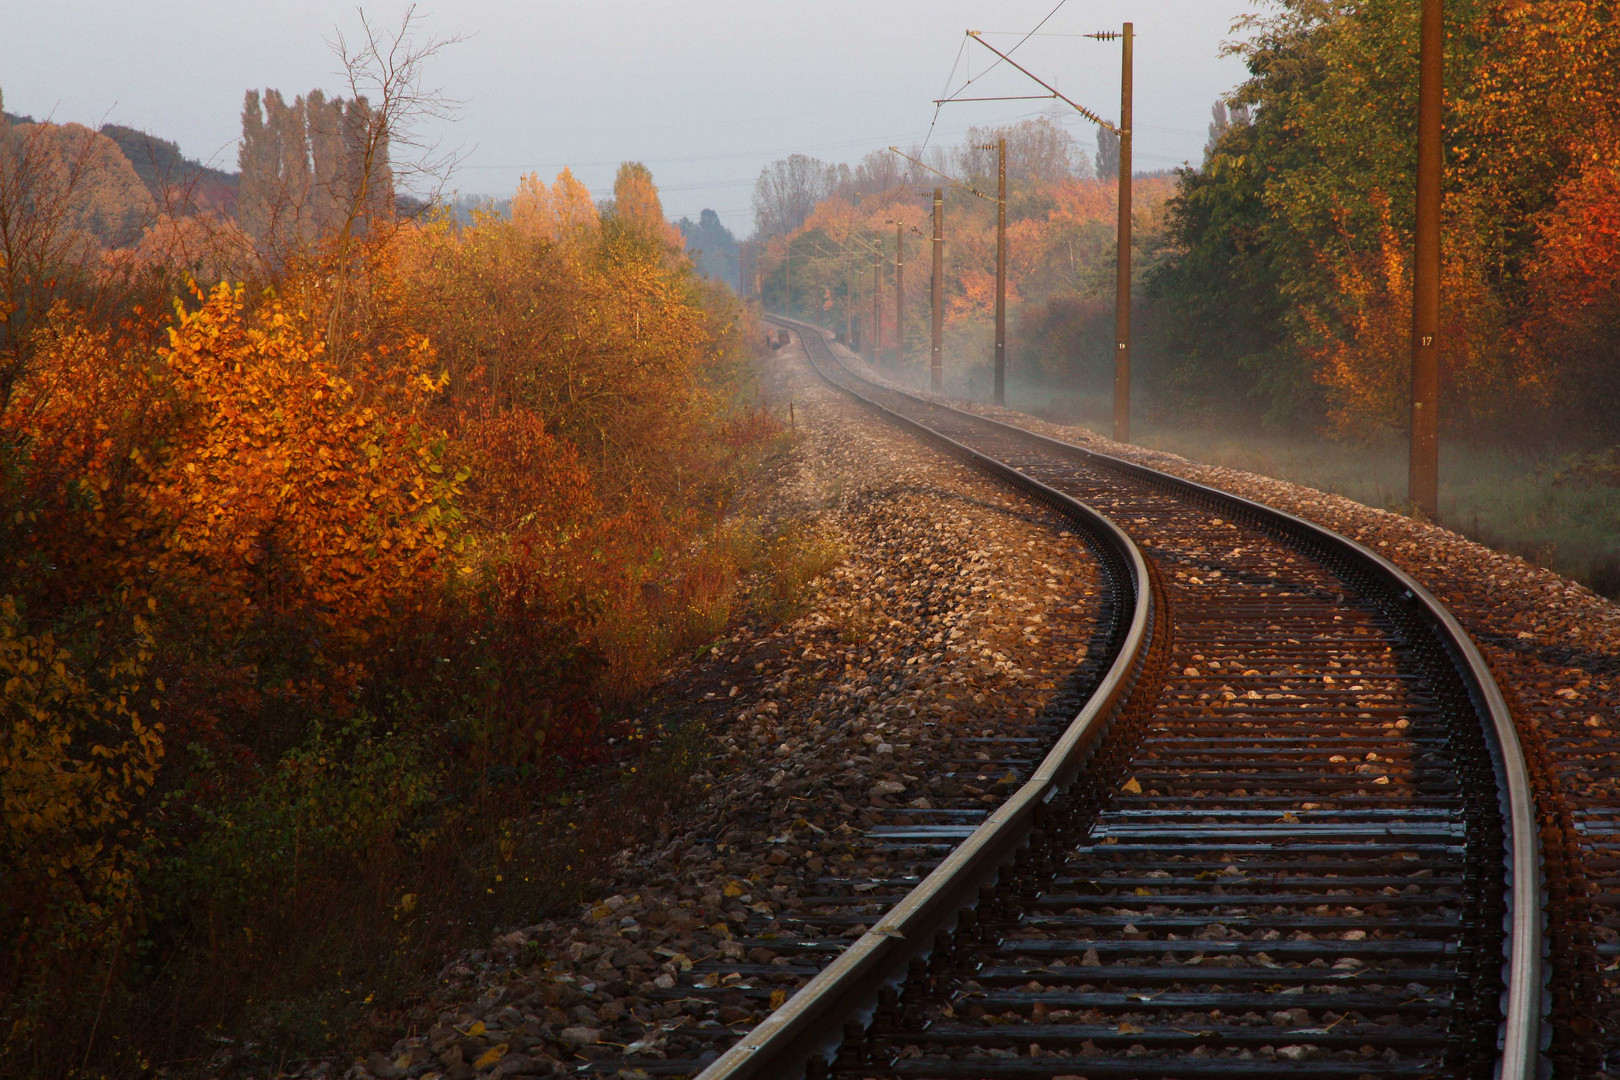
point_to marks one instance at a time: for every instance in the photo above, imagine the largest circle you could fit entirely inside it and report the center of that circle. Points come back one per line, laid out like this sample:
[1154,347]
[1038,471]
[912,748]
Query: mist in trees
[714,249]
[788,189]
[1039,152]
[1060,240]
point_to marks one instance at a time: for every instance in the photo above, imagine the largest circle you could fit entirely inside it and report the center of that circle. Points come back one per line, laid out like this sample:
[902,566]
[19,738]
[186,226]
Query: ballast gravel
[1554,648]
[1556,643]
[954,626]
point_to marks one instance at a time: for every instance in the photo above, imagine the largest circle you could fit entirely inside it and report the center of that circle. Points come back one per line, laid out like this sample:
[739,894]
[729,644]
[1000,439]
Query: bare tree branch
[389,106]
[386,69]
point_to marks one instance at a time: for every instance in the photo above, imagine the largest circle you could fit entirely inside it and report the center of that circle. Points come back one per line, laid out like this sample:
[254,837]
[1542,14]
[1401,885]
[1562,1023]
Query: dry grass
[790,562]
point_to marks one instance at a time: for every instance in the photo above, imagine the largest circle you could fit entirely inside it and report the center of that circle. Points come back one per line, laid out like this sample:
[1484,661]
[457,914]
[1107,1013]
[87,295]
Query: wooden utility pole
[1122,315]
[1423,482]
[789,274]
[849,308]
[899,294]
[1001,271]
[936,294]
[877,309]
[1122,272]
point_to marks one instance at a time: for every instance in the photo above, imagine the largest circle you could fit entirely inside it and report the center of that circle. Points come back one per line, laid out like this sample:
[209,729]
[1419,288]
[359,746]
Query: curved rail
[807,1022]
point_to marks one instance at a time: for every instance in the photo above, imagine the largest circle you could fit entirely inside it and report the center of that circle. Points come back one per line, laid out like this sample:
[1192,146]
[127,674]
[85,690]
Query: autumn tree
[293,172]
[64,189]
[311,169]
[303,585]
[256,166]
[1039,153]
[179,186]
[1060,232]
[79,753]
[273,200]
[563,214]
[636,204]
[389,103]
[573,209]
[531,208]
[1573,295]
[287,496]
[1296,230]
[787,190]
[1536,109]
[1289,208]
[330,155]
[879,171]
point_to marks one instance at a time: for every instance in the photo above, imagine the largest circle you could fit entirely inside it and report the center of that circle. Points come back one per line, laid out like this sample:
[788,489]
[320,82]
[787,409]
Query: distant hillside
[166,172]
[163,169]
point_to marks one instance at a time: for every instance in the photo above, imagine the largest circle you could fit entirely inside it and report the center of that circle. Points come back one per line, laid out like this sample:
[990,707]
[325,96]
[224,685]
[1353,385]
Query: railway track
[1289,833]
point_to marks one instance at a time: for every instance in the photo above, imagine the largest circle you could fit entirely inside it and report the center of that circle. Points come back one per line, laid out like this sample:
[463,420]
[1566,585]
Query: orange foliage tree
[1060,238]
[356,584]
[1573,277]
[286,495]
[1358,342]
[636,201]
[563,214]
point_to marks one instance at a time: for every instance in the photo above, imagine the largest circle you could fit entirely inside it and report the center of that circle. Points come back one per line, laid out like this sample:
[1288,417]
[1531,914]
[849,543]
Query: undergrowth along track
[1289,834]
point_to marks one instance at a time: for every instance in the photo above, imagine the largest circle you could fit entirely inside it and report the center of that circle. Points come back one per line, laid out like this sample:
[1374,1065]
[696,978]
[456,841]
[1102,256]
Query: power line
[882,140]
[945,90]
[939,104]
[1081,109]
[1013,33]
[923,164]
[1009,52]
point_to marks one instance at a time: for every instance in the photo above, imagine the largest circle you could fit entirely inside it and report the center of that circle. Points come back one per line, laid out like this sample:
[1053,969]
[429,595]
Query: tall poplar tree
[295,219]
[256,161]
[327,151]
[316,166]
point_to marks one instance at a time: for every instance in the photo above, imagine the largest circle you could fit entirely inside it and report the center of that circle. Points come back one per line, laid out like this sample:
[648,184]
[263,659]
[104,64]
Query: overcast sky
[705,92]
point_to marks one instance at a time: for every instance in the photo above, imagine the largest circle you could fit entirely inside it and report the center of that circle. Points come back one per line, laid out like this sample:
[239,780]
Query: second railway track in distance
[1304,845]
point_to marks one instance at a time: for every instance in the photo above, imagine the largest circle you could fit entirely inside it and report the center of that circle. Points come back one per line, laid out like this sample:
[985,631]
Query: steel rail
[1523,1031]
[809,1022]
